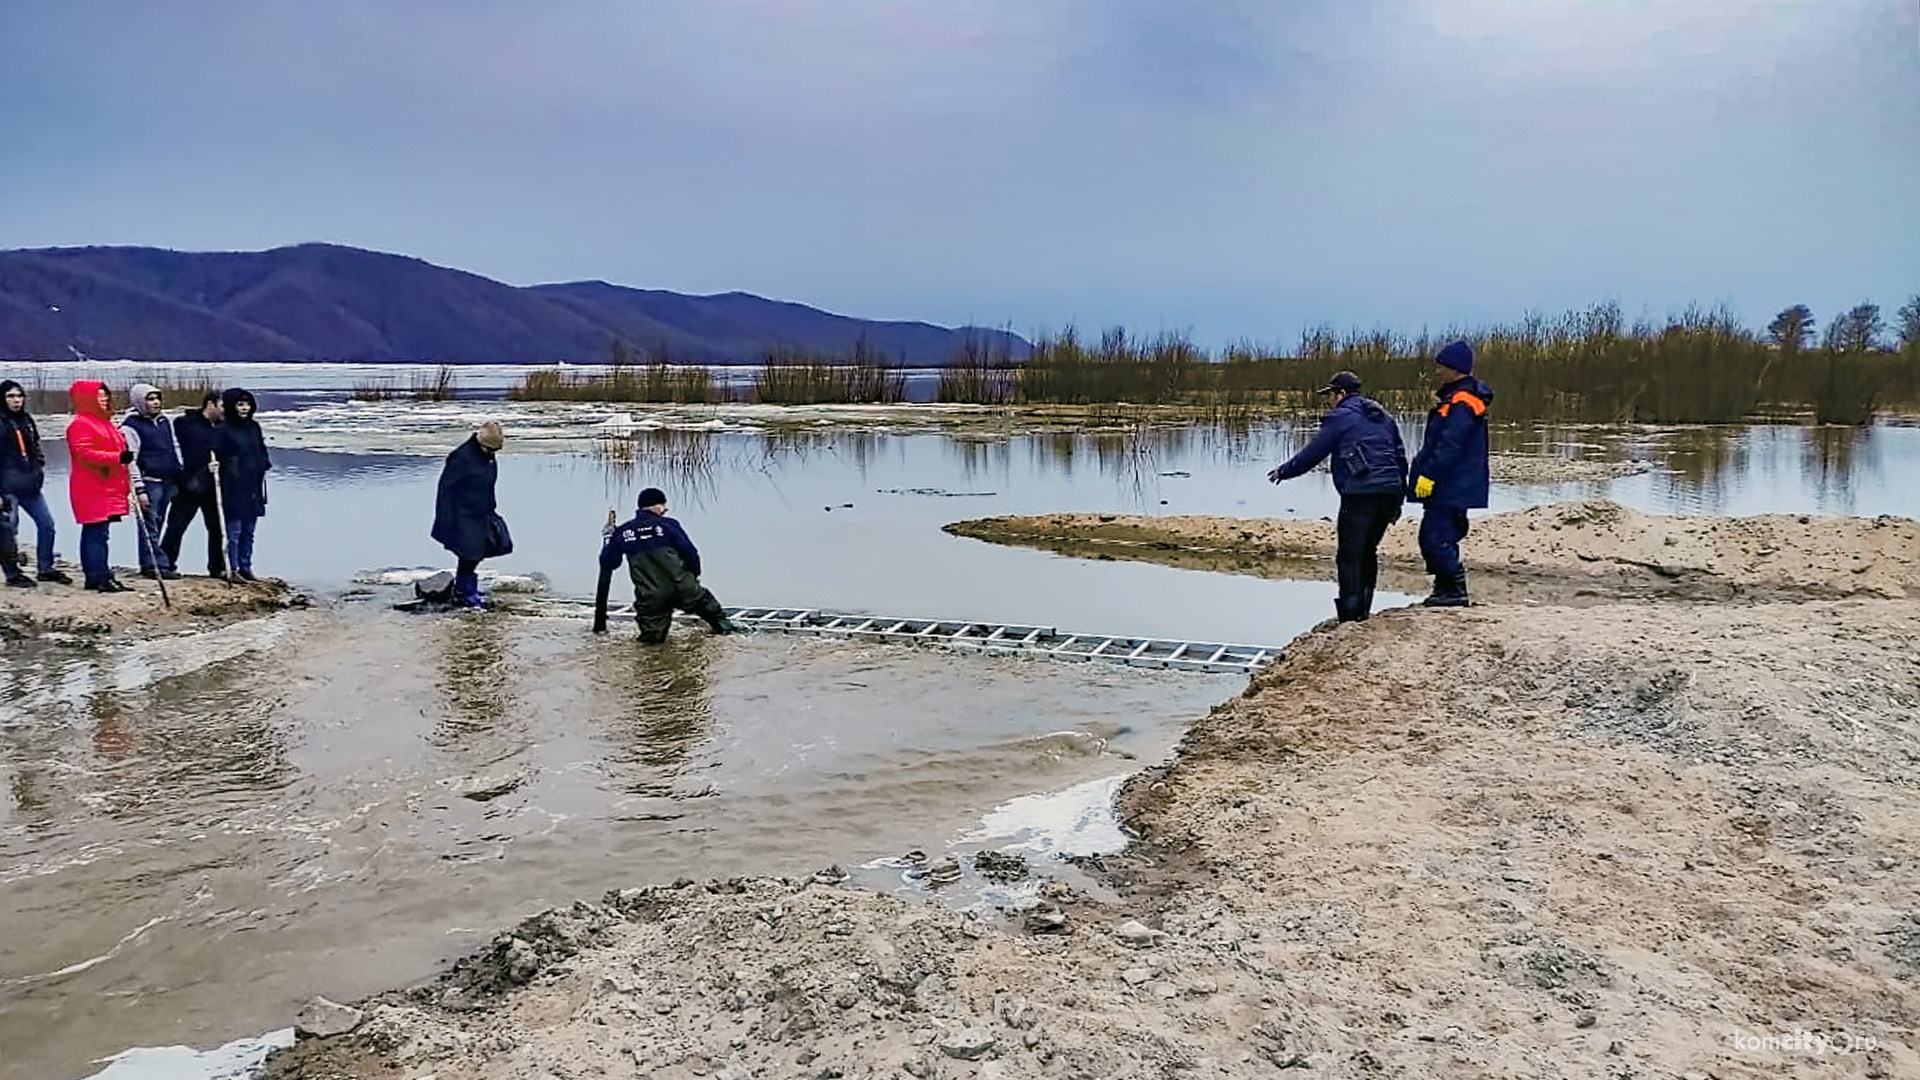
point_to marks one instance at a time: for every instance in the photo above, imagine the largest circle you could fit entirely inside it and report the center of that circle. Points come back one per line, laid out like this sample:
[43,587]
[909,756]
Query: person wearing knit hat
[665,569]
[156,473]
[1451,473]
[465,521]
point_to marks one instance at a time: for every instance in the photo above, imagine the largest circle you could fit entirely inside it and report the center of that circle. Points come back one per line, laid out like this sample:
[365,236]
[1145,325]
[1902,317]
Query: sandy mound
[197,602]
[1634,840]
[1597,546]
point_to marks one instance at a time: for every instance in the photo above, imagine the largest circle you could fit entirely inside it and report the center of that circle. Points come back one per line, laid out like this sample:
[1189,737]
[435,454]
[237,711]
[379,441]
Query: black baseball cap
[1342,380]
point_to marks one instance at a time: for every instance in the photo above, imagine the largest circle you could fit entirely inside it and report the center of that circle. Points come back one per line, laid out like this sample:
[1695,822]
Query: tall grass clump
[659,381]
[180,387]
[435,385]
[1589,366]
[790,376]
[979,373]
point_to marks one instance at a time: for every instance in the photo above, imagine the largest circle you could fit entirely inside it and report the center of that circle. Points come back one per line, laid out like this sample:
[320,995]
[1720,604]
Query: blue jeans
[35,507]
[240,543]
[93,553]
[1441,530]
[159,497]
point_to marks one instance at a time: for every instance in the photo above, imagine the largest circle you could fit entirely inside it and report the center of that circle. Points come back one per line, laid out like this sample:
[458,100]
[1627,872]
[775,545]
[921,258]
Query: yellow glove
[1423,487]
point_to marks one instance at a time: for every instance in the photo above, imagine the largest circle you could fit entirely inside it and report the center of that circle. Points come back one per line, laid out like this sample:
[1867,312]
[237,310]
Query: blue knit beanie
[652,497]
[1458,356]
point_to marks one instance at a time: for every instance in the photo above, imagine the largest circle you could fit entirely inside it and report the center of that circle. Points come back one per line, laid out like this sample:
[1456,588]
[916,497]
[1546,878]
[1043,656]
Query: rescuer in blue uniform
[1450,473]
[665,568]
[1370,473]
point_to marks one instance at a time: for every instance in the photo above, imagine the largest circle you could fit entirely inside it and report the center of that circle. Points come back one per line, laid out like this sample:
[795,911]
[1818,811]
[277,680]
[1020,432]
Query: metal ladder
[989,637]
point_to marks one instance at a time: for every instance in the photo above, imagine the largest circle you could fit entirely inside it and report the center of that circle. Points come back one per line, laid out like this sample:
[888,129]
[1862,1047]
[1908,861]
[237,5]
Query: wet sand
[1636,838]
[198,603]
[1595,547]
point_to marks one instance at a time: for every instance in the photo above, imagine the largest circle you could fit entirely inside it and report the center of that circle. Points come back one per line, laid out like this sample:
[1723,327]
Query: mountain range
[325,302]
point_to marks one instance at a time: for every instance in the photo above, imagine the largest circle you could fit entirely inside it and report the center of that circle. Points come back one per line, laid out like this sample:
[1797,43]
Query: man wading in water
[1450,473]
[665,569]
[1370,472]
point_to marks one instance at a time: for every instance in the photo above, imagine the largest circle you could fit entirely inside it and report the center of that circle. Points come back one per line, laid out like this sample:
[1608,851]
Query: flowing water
[197,833]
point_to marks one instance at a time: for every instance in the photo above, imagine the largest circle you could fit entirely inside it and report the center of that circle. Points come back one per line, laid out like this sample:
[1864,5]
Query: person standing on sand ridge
[244,464]
[1450,473]
[1370,472]
[99,485]
[23,473]
[156,473]
[197,436]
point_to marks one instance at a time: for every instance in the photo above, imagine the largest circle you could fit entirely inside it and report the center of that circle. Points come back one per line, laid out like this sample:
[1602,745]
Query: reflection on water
[654,707]
[186,860]
[478,673]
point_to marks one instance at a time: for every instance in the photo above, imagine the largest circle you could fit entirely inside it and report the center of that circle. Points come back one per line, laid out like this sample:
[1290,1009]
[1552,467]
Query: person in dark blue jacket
[244,464]
[197,435]
[665,568]
[464,517]
[23,472]
[1370,473]
[156,474]
[1450,473]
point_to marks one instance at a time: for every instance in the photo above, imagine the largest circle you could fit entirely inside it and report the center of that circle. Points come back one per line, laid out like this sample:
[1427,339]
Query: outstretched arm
[1310,455]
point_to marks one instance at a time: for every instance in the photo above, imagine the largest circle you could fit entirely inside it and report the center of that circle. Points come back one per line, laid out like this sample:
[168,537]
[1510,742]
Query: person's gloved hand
[1274,475]
[126,457]
[1423,487]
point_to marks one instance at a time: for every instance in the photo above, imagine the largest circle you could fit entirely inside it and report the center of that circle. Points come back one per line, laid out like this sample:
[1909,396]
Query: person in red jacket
[100,486]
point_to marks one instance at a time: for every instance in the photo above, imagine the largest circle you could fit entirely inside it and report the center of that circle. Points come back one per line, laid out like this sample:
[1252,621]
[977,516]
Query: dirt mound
[198,602]
[1597,547]
[1631,840]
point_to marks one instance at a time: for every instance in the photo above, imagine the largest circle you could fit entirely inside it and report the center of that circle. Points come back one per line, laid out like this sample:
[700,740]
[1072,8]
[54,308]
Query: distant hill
[326,302]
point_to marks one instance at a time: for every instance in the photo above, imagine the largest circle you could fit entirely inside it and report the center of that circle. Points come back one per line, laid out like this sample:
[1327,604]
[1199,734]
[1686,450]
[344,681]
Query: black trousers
[1362,522]
[179,515]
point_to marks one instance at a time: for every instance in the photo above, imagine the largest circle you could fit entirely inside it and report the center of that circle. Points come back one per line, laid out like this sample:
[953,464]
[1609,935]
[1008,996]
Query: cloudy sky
[1236,168]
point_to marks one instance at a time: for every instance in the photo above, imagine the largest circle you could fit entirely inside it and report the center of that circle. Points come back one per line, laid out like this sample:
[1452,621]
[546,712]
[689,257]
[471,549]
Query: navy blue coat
[244,462]
[198,438]
[463,506]
[1368,456]
[1454,453]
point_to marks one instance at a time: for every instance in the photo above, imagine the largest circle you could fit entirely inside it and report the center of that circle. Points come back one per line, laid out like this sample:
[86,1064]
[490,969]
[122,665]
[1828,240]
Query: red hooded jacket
[100,485]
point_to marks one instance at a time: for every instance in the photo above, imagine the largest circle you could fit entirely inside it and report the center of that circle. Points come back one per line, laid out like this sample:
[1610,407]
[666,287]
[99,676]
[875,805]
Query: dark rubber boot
[1449,590]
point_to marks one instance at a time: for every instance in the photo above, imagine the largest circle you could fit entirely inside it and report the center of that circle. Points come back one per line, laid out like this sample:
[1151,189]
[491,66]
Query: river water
[199,833]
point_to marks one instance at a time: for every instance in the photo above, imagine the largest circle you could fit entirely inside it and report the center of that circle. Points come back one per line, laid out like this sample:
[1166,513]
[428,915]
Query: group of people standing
[161,471]
[1449,474]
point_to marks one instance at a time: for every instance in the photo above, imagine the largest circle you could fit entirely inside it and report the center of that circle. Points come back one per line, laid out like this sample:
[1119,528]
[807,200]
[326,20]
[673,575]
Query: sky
[1232,169]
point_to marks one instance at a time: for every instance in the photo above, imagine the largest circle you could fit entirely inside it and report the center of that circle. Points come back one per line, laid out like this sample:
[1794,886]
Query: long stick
[146,536]
[220,516]
[605,583]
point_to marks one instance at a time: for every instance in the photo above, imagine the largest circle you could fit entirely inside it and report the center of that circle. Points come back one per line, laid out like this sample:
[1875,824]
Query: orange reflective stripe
[1465,397]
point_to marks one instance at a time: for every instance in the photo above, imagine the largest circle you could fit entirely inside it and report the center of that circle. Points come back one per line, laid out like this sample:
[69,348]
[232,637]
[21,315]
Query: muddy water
[182,861]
